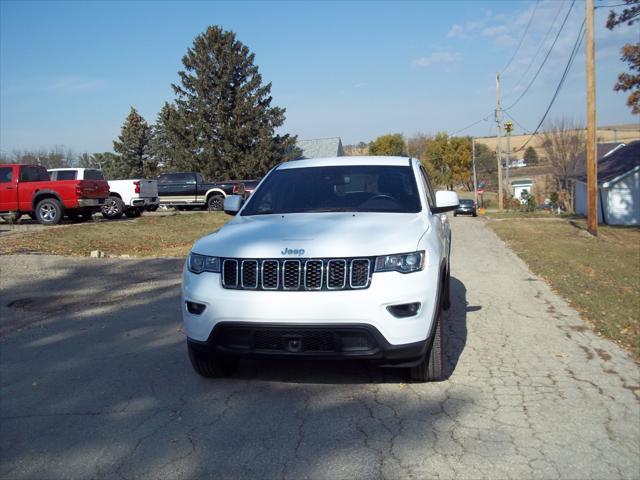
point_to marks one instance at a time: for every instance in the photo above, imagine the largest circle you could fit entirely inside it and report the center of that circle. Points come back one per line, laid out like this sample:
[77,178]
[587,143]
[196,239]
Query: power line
[533,14]
[572,57]
[471,125]
[545,58]
[542,44]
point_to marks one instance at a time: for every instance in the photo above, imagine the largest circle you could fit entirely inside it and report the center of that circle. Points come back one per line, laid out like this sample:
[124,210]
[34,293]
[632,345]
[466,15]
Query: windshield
[348,188]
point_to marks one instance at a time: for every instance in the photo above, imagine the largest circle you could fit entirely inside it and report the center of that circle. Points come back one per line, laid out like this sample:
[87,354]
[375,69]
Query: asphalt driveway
[95,383]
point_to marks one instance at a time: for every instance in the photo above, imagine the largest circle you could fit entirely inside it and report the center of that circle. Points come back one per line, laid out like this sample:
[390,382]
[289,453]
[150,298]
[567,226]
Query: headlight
[203,263]
[401,262]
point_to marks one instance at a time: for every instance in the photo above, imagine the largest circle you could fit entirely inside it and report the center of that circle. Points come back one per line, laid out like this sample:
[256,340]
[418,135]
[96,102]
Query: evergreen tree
[134,147]
[530,156]
[222,123]
[169,147]
[111,165]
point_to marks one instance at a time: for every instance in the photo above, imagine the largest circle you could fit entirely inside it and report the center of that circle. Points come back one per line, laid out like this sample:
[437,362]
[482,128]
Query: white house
[618,187]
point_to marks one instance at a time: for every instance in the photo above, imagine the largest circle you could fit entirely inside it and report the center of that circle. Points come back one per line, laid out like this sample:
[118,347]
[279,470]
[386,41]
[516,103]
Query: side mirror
[445,201]
[233,204]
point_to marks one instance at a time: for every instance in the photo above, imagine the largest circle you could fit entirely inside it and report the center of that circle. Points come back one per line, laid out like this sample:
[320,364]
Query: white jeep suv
[333,258]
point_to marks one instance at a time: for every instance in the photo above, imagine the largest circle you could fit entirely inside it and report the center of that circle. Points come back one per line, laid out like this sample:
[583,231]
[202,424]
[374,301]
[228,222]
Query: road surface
[95,383]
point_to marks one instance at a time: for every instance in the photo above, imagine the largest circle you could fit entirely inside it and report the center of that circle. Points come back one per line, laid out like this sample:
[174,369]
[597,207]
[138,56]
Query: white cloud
[360,85]
[437,57]
[495,31]
[457,31]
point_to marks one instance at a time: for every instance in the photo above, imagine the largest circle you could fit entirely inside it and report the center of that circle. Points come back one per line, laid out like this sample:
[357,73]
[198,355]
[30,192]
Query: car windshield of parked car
[466,202]
[349,188]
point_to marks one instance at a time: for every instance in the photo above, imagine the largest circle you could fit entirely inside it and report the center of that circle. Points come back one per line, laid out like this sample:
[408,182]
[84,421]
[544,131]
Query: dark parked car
[466,207]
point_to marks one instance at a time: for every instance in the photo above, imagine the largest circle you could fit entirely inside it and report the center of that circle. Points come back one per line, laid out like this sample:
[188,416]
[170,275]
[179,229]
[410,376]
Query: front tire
[49,211]
[113,208]
[215,203]
[446,299]
[431,368]
[209,366]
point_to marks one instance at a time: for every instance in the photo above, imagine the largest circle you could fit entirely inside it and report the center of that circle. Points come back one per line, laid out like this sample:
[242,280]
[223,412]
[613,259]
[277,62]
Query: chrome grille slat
[249,274]
[230,273]
[272,276]
[359,273]
[292,274]
[336,274]
[313,274]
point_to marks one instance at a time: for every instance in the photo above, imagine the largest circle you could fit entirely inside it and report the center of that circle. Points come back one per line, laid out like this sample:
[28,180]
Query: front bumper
[467,211]
[366,308]
[90,202]
[313,341]
[145,201]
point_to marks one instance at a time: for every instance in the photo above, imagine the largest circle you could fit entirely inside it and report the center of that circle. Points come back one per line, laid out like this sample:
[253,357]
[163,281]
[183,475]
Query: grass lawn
[165,236]
[510,214]
[599,276]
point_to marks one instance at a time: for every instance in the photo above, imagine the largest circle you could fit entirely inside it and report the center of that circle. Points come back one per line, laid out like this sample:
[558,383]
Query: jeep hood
[318,234]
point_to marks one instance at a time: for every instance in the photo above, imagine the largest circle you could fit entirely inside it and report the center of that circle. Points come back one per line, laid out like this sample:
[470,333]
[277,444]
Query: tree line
[447,159]
[220,123]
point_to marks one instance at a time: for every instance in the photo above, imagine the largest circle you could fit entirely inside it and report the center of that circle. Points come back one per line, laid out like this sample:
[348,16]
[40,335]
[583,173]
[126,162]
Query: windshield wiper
[335,209]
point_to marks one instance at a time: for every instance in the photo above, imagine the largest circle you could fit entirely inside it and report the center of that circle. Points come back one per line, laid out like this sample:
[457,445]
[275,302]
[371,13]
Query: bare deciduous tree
[563,142]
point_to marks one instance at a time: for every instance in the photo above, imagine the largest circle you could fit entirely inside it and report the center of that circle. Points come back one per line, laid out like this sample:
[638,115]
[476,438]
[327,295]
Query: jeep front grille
[297,274]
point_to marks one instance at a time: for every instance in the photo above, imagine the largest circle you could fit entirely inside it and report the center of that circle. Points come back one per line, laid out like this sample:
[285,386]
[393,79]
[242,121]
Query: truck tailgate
[93,188]
[148,188]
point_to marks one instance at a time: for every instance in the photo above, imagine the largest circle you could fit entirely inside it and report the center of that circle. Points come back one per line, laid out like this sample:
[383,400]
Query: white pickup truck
[128,197]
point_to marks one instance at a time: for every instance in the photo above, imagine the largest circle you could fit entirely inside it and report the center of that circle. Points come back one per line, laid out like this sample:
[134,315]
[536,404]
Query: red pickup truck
[29,189]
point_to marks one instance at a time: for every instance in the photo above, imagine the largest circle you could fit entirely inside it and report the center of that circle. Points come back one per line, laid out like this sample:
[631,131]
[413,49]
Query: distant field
[622,133]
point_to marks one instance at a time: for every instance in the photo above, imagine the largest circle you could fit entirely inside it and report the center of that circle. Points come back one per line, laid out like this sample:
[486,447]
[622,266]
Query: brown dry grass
[157,236]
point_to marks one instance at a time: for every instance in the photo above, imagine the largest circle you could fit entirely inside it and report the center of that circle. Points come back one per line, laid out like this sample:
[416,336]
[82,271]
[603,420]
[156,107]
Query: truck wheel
[431,368]
[446,300]
[133,212]
[152,208]
[113,208]
[209,366]
[215,203]
[49,211]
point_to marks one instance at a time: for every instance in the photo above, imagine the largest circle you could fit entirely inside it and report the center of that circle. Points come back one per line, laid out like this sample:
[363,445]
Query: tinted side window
[199,178]
[177,178]
[28,174]
[6,174]
[66,175]
[93,175]
[42,174]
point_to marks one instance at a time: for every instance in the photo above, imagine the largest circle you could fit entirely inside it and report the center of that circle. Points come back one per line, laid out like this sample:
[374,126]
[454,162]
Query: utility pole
[592,166]
[499,123]
[508,127]
[473,162]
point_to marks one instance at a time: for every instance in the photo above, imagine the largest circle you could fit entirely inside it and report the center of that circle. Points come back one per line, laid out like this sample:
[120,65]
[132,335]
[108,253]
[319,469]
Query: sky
[70,71]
